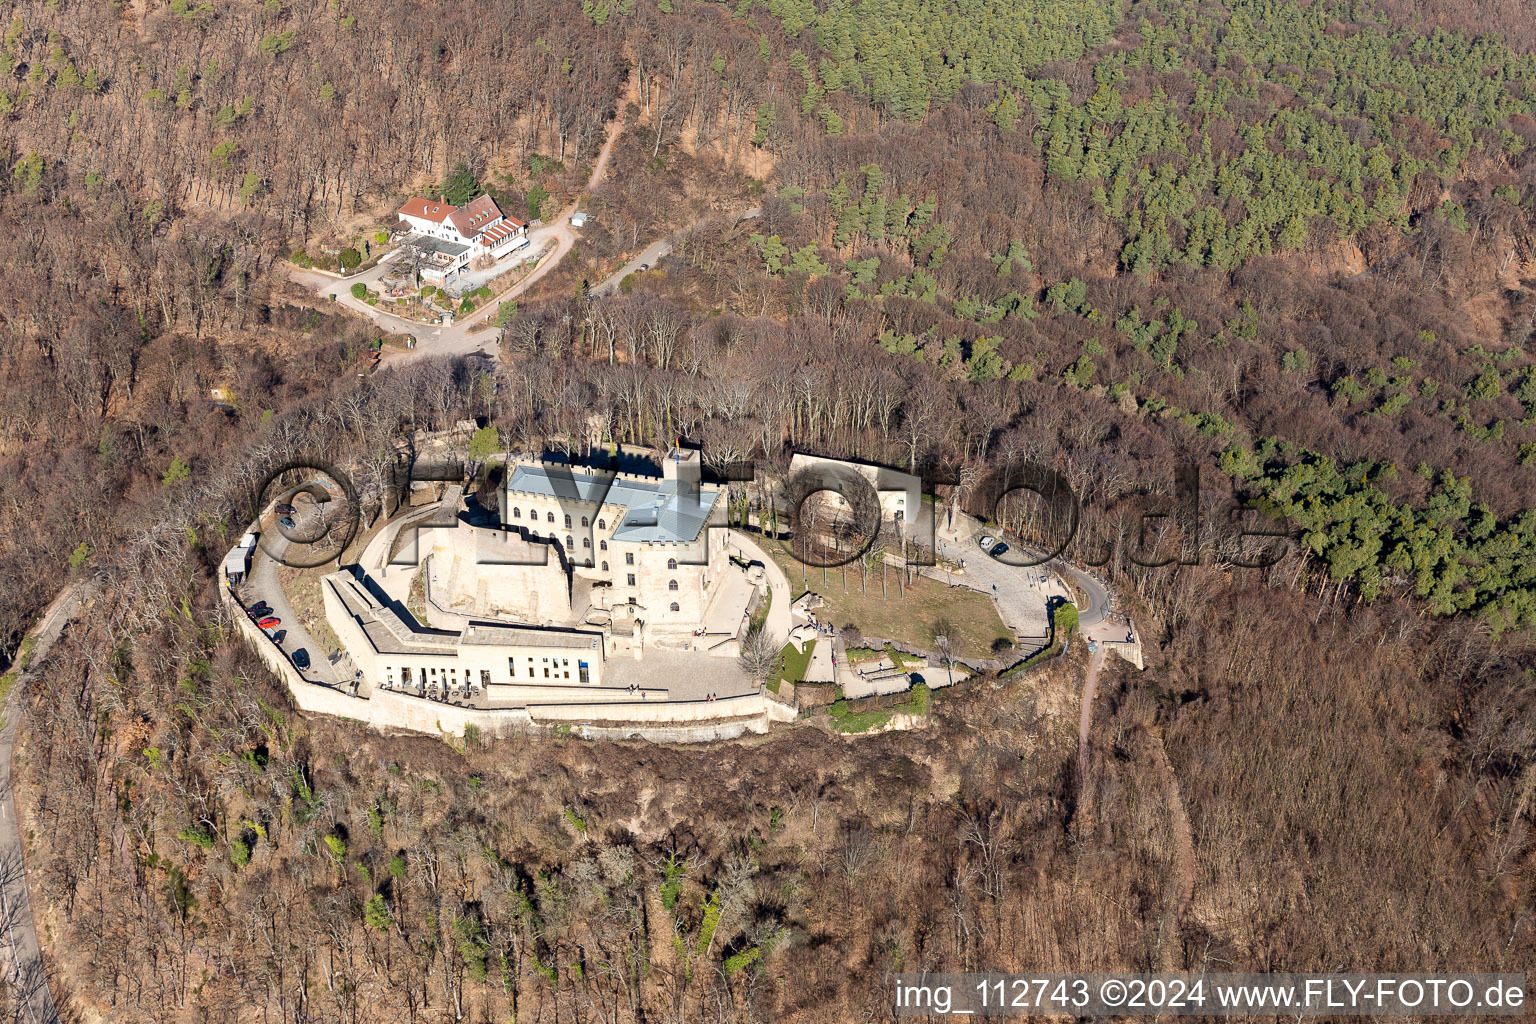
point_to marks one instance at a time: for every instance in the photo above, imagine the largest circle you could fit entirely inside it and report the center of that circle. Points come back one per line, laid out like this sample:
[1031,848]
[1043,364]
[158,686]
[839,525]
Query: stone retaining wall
[700,721]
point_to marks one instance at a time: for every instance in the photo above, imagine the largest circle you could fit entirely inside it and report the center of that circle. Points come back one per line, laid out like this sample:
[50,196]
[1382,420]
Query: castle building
[643,545]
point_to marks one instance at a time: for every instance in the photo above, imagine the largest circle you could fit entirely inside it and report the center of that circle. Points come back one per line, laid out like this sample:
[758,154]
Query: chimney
[683,464]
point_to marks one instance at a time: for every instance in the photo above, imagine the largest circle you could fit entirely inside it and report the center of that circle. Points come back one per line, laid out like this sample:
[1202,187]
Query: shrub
[359,290]
[79,557]
[196,836]
[377,915]
[301,258]
[177,472]
[485,442]
[351,258]
[536,197]
[240,853]
[381,237]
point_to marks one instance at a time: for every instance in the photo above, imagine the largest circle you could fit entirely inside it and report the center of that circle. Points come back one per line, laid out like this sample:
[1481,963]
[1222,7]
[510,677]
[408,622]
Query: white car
[986,543]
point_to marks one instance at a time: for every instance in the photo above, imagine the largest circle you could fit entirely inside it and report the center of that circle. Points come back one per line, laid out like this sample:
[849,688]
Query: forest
[1290,243]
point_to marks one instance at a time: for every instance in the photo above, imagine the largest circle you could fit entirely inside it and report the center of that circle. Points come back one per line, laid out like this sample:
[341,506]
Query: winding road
[473,334]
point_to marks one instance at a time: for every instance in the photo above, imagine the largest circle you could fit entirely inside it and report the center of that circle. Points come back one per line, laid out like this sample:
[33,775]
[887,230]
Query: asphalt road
[472,334]
[1095,605]
[27,974]
[653,253]
[262,585]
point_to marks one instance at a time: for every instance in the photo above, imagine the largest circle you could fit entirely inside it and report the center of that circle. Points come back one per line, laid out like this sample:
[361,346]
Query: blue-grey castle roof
[655,511]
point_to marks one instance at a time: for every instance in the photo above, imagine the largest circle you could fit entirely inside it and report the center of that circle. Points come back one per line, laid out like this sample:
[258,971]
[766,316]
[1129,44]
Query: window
[601,525]
[568,542]
[512,668]
[567,522]
[631,579]
[485,677]
[629,558]
[583,521]
[605,567]
[550,516]
[674,606]
[517,513]
[671,584]
[672,564]
[546,671]
[582,672]
[603,544]
[405,676]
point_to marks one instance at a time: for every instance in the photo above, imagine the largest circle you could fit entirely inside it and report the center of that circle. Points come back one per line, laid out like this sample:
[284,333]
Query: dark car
[270,622]
[259,608]
[285,509]
[301,658]
[286,522]
[999,550]
[279,637]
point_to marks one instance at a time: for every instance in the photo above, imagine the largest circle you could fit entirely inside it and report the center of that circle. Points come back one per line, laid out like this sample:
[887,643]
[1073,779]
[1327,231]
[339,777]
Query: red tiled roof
[498,233]
[472,218]
[433,210]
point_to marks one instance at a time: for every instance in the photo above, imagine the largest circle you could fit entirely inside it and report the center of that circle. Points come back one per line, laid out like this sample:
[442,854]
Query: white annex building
[450,237]
[500,661]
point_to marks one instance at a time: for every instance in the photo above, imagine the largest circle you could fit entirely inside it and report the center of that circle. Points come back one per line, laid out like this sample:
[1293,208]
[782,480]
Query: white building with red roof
[476,229]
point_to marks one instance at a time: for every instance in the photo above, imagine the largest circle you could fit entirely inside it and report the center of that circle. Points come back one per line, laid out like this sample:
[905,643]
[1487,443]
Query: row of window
[533,514]
[553,668]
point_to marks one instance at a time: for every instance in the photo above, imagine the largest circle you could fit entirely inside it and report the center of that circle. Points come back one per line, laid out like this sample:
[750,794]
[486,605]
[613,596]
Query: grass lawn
[863,721]
[908,617]
[792,664]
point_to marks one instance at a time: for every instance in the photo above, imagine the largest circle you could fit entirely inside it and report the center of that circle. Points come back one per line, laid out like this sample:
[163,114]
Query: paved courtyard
[687,675]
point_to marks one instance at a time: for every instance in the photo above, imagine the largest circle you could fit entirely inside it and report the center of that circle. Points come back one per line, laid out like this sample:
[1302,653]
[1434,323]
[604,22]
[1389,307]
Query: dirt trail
[1090,688]
[472,334]
[1183,851]
[631,95]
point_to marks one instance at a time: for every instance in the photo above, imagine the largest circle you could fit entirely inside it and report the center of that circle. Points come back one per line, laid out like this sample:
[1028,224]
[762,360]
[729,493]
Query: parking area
[262,585]
[1020,592]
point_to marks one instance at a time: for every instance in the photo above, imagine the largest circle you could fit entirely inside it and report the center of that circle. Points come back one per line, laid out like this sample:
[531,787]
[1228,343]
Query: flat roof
[655,511]
[389,634]
[428,244]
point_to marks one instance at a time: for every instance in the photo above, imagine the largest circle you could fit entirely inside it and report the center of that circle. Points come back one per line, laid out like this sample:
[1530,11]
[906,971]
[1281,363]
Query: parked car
[645,266]
[279,637]
[286,521]
[985,543]
[259,608]
[270,622]
[998,550]
[285,509]
[301,658]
